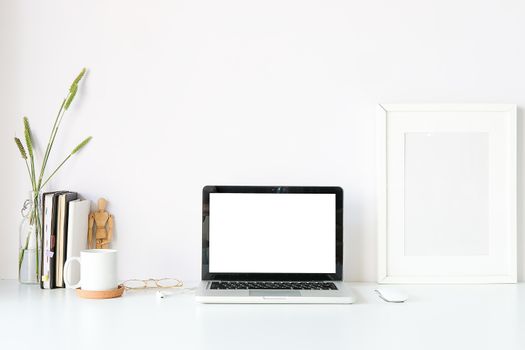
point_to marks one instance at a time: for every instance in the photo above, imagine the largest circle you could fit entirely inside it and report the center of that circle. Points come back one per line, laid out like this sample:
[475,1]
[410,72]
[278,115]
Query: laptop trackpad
[275,293]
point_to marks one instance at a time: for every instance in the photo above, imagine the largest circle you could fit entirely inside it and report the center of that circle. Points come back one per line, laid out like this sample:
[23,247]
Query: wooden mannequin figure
[104,226]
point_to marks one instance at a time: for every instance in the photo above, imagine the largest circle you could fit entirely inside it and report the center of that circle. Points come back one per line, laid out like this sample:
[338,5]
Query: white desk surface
[435,317]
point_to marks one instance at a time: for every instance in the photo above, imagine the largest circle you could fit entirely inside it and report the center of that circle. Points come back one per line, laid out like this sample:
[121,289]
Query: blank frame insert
[446,193]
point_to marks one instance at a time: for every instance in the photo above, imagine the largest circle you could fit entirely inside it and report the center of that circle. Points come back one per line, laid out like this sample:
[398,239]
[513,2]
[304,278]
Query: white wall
[181,94]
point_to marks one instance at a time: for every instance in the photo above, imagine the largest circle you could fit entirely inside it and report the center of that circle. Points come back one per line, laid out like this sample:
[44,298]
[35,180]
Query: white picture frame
[446,193]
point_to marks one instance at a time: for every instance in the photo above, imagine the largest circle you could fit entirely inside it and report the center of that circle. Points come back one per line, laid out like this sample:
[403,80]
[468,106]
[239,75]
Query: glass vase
[30,236]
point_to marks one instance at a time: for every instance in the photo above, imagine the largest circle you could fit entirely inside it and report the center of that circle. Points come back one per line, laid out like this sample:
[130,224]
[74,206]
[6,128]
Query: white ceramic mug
[98,270]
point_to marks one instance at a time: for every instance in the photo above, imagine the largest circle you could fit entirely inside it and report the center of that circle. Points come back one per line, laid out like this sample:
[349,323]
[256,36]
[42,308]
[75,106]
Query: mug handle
[67,275]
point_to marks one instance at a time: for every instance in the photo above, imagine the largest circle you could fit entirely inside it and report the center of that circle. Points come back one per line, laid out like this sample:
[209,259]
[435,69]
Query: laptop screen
[272,233]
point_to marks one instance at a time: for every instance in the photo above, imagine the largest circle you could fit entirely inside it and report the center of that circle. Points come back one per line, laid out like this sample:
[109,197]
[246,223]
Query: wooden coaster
[101,294]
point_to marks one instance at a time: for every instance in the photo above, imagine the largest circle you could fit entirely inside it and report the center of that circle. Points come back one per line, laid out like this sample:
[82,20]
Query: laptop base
[343,295]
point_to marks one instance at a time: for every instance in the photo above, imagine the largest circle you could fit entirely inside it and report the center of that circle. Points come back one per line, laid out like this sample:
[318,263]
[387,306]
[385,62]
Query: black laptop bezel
[337,276]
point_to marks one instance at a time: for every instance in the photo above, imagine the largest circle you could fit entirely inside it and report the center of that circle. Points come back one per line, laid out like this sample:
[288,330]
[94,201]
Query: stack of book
[64,234]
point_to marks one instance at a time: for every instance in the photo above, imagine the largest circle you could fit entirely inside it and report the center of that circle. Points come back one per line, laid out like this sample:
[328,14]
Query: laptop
[272,244]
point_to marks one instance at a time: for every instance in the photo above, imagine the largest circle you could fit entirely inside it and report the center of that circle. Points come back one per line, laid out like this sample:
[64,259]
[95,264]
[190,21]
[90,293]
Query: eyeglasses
[152,283]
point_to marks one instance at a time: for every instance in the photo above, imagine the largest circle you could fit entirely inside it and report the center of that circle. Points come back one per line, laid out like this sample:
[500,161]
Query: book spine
[76,237]
[47,252]
[72,196]
[53,243]
[62,225]
[60,241]
[41,275]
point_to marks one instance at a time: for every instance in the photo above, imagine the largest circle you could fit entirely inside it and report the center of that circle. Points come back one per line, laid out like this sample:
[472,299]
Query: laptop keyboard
[273,285]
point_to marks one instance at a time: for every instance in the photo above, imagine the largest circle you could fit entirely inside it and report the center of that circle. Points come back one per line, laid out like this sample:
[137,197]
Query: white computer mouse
[391,295]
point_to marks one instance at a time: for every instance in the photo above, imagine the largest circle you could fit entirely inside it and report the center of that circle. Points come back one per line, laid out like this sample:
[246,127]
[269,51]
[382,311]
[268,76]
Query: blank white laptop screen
[272,233]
